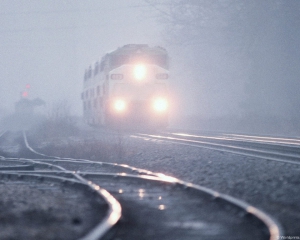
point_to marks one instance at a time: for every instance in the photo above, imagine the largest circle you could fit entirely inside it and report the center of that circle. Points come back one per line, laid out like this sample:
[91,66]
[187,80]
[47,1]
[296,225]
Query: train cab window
[160,60]
[119,60]
[162,76]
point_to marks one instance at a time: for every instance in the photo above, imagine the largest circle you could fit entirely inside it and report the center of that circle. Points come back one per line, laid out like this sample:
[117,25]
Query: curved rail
[101,228]
[2,133]
[275,229]
[114,212]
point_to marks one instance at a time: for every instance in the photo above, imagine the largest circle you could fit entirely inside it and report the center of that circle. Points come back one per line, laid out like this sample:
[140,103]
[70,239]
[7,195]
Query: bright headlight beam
[140,72]
[160,105]
[120,105]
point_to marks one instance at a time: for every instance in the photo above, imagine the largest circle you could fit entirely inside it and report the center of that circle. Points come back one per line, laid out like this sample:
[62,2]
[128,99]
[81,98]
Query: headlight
[119,105]
[160,105]
[140,72]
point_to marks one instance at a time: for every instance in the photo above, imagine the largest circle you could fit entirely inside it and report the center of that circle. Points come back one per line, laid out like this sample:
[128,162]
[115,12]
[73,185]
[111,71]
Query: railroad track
[286,150]
[154,206]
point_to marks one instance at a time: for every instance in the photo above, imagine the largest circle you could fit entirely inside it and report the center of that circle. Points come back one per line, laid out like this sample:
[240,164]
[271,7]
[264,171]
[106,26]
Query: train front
[139,95]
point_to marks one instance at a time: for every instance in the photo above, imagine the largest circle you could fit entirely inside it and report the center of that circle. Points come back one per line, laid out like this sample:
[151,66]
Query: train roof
[132,49]
[139,48]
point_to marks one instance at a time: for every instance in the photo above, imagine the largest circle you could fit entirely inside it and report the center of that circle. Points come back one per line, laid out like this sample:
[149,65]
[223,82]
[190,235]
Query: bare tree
[237,53]
[60,112]
[59,122]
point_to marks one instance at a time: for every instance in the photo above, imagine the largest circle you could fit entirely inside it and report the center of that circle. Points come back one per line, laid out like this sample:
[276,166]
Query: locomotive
[128,87]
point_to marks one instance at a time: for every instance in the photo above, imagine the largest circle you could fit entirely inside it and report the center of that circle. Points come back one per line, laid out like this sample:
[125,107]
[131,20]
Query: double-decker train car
[128,87]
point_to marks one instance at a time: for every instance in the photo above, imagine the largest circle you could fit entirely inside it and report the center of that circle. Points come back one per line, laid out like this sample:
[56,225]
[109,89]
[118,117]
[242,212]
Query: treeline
[235,58]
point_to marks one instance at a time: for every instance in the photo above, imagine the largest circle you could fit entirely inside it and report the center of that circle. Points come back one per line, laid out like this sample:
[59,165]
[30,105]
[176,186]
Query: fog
[237,63]
[48,44]
[234,63]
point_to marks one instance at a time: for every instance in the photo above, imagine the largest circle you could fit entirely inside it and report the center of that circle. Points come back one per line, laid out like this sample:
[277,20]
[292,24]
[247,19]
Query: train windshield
[118,60]
[132,91]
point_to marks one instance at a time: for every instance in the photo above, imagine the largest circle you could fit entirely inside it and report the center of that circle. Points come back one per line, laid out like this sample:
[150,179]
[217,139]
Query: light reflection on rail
[249,138]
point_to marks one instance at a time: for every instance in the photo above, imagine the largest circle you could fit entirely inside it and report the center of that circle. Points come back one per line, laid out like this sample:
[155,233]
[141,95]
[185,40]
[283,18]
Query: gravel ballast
[271,186]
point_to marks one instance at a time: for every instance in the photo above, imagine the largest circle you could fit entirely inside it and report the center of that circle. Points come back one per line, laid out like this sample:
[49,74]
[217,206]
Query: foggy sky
[49,43]
[237,60]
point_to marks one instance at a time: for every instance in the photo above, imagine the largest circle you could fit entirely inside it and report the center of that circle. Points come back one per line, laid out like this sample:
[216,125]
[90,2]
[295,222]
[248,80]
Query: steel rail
[100,163]
[231,136]
[266,155]
[1,135]
[32,150]
[274,228]
[139,170]
[115,211]
[274,146]
[269,139]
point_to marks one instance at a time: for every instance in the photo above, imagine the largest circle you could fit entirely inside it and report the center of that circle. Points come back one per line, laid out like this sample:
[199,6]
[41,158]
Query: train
[128,87]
